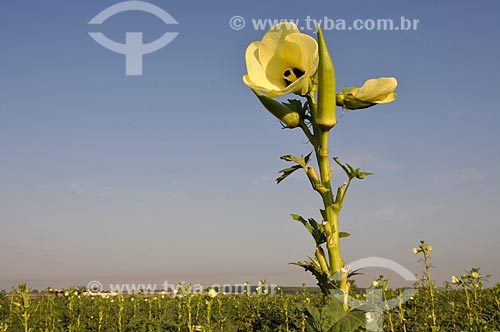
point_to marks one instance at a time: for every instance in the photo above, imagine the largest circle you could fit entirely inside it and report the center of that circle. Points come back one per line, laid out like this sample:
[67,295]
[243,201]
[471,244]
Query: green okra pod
[290,118]
[326,117]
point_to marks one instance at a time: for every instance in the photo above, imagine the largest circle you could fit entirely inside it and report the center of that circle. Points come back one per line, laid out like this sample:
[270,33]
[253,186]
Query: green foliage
[278,312]
[23,310]
[315,229]
[300,163]
[331,317]
[351,172]
[325,282]
[297,106]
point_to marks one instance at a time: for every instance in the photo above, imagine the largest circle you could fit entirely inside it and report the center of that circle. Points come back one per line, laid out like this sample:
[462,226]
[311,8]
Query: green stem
[430,284]
[469,308]
[332,213]
[306,131]
[320,142]
[209,315]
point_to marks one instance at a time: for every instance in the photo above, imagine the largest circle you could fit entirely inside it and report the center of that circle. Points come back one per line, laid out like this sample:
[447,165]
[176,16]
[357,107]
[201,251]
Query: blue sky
[170,175]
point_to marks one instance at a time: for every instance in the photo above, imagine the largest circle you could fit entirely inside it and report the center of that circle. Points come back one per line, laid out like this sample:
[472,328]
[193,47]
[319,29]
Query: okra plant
[286,62]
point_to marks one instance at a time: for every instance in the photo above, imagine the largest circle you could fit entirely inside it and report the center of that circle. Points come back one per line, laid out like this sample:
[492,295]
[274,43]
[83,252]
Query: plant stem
[469,307]
[332,212]
[319,140]
[430,284]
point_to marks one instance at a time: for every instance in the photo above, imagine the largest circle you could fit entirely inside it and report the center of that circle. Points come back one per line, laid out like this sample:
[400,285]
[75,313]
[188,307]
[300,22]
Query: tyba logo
[134,48]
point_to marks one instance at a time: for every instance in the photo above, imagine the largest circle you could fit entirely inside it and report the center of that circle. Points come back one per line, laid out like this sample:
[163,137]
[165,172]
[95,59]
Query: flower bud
[374,91]
[212,293]
[347,100]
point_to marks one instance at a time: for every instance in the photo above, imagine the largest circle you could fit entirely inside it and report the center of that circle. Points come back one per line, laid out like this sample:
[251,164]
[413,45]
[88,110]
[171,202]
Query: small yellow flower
[375,283]
[429,248]
[475,275]
[374,91]
[454,280]
[415,251]
[282,62]
[212,293]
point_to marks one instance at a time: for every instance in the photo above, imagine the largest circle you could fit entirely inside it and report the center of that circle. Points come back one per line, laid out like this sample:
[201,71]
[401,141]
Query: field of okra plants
[463,304]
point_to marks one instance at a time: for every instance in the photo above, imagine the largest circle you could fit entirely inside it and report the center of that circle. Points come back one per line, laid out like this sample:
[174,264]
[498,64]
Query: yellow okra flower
[374,91]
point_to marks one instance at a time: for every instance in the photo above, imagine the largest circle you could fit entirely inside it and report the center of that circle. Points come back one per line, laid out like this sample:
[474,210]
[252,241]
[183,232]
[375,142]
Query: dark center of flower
[291,75]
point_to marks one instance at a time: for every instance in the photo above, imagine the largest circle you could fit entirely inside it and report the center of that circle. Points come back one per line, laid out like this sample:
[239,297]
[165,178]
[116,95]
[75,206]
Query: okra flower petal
[378,90]
[283,62]
[374,91]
